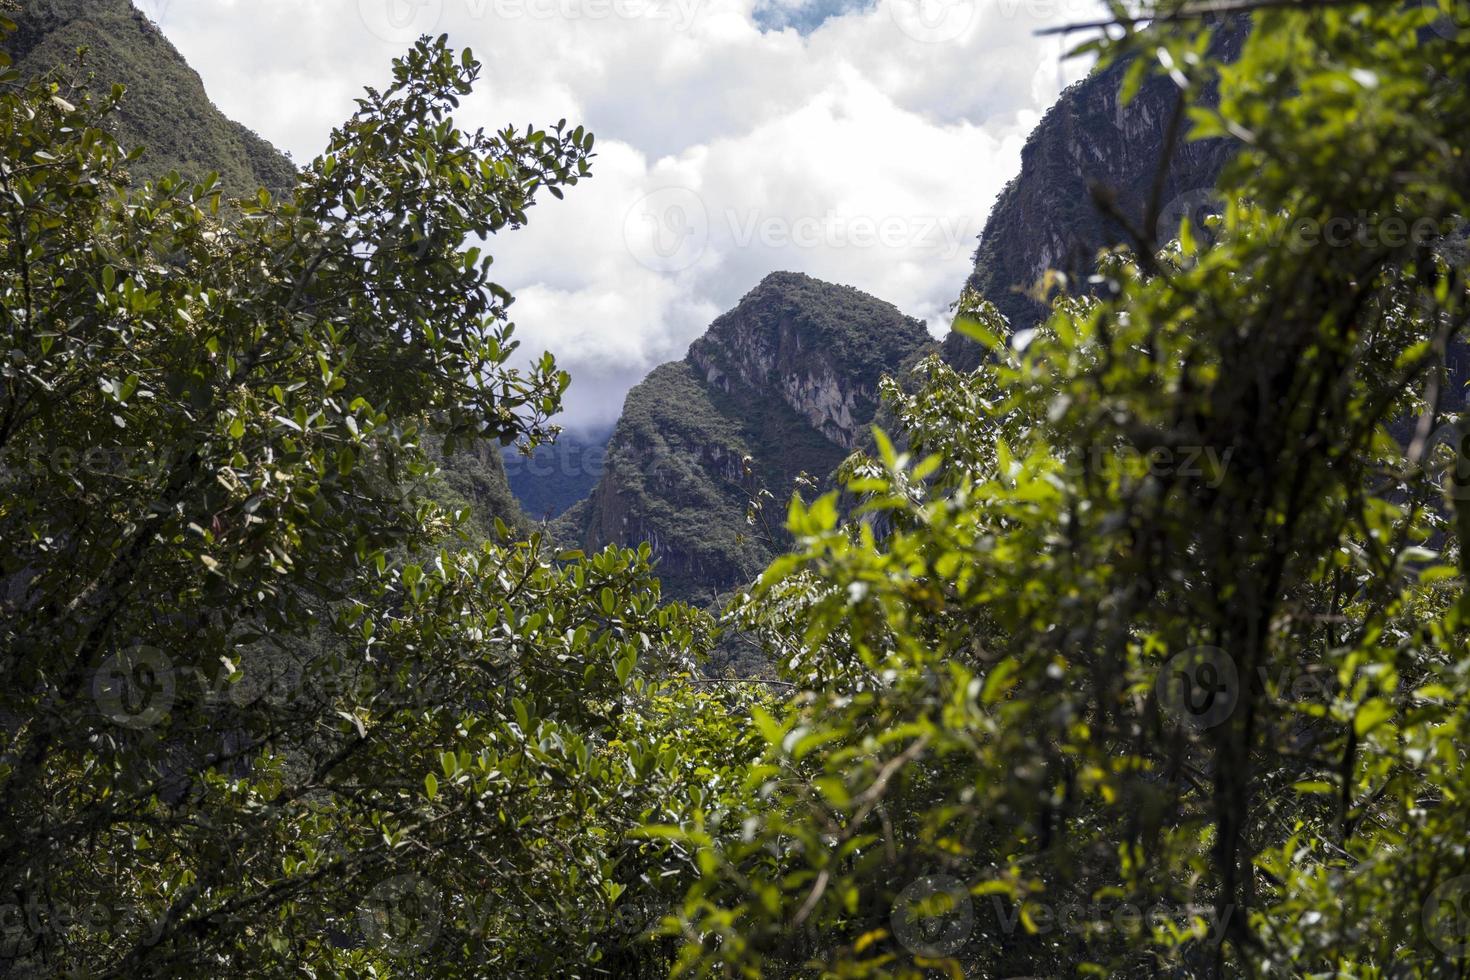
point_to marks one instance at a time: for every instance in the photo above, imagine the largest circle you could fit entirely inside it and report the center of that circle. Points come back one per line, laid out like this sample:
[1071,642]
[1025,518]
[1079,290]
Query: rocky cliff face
[784,384]
[790,338]
[1046,217]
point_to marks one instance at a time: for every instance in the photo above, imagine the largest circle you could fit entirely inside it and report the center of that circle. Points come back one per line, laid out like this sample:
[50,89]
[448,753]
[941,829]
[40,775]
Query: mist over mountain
[557,475]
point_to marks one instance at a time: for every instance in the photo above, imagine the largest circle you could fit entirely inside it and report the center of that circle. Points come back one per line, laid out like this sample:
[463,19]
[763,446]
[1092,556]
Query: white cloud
[867,151]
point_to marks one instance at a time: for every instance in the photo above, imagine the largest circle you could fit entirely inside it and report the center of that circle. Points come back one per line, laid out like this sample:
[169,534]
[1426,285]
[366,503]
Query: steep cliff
[1046,217]
[784,384]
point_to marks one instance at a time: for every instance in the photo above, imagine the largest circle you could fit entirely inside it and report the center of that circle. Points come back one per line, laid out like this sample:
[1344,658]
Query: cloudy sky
[859,141]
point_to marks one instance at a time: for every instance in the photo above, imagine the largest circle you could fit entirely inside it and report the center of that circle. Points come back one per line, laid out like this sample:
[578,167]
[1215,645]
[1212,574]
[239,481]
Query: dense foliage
[1161,665]
[1147,655]
[259,688]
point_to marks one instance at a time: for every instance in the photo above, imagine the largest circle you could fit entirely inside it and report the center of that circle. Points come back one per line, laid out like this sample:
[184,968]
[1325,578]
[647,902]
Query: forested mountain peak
[166,109]
[782,385]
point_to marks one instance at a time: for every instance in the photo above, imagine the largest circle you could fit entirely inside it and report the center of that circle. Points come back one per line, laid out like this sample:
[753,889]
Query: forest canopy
[1138,650]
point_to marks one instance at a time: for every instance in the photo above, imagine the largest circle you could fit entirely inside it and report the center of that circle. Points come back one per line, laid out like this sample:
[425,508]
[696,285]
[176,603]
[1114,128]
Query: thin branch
[1200,12]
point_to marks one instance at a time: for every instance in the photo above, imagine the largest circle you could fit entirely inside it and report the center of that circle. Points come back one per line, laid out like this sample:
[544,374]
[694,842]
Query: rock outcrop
[784,384]
[1047,217]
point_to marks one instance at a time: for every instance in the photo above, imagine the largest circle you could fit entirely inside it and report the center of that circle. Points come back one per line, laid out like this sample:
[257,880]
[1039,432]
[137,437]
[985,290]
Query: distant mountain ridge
[559,475]
[783,384]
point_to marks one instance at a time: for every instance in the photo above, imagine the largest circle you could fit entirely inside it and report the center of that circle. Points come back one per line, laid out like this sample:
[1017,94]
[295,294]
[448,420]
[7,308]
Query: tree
[265,705]
[1157,660]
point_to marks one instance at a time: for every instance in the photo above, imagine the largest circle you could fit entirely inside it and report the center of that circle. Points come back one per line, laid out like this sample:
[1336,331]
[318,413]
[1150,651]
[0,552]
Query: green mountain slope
[166,110]
[784,384]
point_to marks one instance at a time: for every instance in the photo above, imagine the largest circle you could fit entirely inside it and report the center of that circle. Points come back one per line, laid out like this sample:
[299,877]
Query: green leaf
[1370,715]
[1313,786]
[999,681]
[976,330]
[771,730]
[624,666]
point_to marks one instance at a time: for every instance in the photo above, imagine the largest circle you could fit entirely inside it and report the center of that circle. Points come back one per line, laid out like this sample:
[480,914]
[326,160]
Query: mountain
[557,476]
[1047,218]
[784,384]
[167,111]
